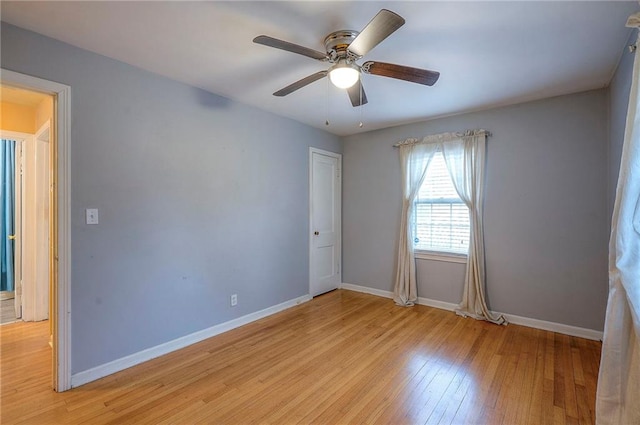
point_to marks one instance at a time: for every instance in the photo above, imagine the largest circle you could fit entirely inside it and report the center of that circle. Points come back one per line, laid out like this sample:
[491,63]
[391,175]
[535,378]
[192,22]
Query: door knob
[316,233]
[11,237]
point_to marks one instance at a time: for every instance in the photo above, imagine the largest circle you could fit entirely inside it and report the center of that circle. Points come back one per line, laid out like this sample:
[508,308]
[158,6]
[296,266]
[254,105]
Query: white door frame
[62,117]
[36,298]
[17,231]
[338,156]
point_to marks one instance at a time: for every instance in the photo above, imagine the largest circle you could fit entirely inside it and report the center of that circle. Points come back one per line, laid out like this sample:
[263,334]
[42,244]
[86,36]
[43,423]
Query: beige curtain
[465,158]
[414,160]
[618,394]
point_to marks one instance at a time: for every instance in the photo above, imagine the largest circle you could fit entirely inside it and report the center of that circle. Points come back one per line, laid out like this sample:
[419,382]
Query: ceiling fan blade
[381,26]
[407,73]
[357,95]
[300,83]
[289,47]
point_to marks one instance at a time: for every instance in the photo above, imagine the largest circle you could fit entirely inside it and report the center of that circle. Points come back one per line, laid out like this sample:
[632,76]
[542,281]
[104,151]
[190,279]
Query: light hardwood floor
[343,357]
[7,311]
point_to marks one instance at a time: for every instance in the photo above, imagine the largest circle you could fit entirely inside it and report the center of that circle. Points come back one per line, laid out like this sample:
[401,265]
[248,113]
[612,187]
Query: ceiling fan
[344,48]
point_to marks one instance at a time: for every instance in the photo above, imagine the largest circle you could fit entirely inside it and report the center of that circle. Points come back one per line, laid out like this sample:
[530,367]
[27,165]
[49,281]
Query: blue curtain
[7,197]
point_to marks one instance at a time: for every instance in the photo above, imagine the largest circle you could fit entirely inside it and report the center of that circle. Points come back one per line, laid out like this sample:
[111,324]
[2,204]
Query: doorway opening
[36,119]
[25,162]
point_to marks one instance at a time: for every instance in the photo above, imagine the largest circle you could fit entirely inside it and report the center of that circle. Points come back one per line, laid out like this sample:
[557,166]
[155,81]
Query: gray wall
[199,197]
[545,209]
[618,105]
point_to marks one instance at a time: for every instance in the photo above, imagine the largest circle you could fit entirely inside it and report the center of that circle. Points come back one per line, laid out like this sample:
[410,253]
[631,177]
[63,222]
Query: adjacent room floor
[343,357]
[7,311]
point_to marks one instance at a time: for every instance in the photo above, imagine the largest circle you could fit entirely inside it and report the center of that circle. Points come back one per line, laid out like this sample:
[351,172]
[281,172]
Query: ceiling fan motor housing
[337,43]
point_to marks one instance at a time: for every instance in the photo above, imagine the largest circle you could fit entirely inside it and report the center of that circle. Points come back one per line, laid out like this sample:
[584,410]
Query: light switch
[92,216]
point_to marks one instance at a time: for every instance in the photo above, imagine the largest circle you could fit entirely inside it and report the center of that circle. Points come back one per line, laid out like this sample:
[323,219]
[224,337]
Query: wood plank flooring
[343,357]
[7,311]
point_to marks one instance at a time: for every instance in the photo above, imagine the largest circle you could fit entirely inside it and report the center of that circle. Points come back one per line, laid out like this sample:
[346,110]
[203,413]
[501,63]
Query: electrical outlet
[234,300]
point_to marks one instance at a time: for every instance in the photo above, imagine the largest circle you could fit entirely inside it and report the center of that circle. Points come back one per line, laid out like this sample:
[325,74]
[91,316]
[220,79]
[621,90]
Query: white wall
[199,197]
[545,209]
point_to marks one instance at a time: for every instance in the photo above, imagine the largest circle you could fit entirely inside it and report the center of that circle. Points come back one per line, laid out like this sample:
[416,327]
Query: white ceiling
[488,53]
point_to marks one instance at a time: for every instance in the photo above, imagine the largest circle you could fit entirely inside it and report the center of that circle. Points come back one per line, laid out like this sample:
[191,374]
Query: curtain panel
[7,196]
[414,161]
[619,375]
[465,159]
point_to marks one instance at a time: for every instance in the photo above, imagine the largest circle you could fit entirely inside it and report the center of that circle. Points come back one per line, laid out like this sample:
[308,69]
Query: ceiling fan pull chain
[361,105]
[326,122]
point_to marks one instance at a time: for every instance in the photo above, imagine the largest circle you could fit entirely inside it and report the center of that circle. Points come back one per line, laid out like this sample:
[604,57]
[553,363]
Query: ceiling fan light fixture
[344,75]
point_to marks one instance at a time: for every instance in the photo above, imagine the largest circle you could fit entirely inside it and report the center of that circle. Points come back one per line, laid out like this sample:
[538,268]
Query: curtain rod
[444,137]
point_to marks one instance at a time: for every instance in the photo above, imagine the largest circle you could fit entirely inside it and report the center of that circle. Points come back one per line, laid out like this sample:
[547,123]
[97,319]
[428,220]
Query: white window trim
[448,257]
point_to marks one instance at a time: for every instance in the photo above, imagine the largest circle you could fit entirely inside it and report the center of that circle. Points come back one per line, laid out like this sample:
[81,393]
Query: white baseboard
[554,327]
[366,290]
[437,304]
[101,371]
[511,318]
[388,294]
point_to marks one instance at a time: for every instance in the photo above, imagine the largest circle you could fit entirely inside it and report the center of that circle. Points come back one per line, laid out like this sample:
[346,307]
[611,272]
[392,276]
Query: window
[441,219]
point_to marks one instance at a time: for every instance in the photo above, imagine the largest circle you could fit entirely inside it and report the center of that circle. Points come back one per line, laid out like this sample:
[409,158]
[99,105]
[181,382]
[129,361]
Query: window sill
[440,256]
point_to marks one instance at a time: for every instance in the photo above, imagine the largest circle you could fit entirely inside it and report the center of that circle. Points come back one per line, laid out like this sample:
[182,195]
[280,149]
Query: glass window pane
[441,219]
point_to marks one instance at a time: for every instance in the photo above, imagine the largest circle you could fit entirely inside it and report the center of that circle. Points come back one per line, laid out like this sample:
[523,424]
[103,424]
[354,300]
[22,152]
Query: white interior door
[325,211]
